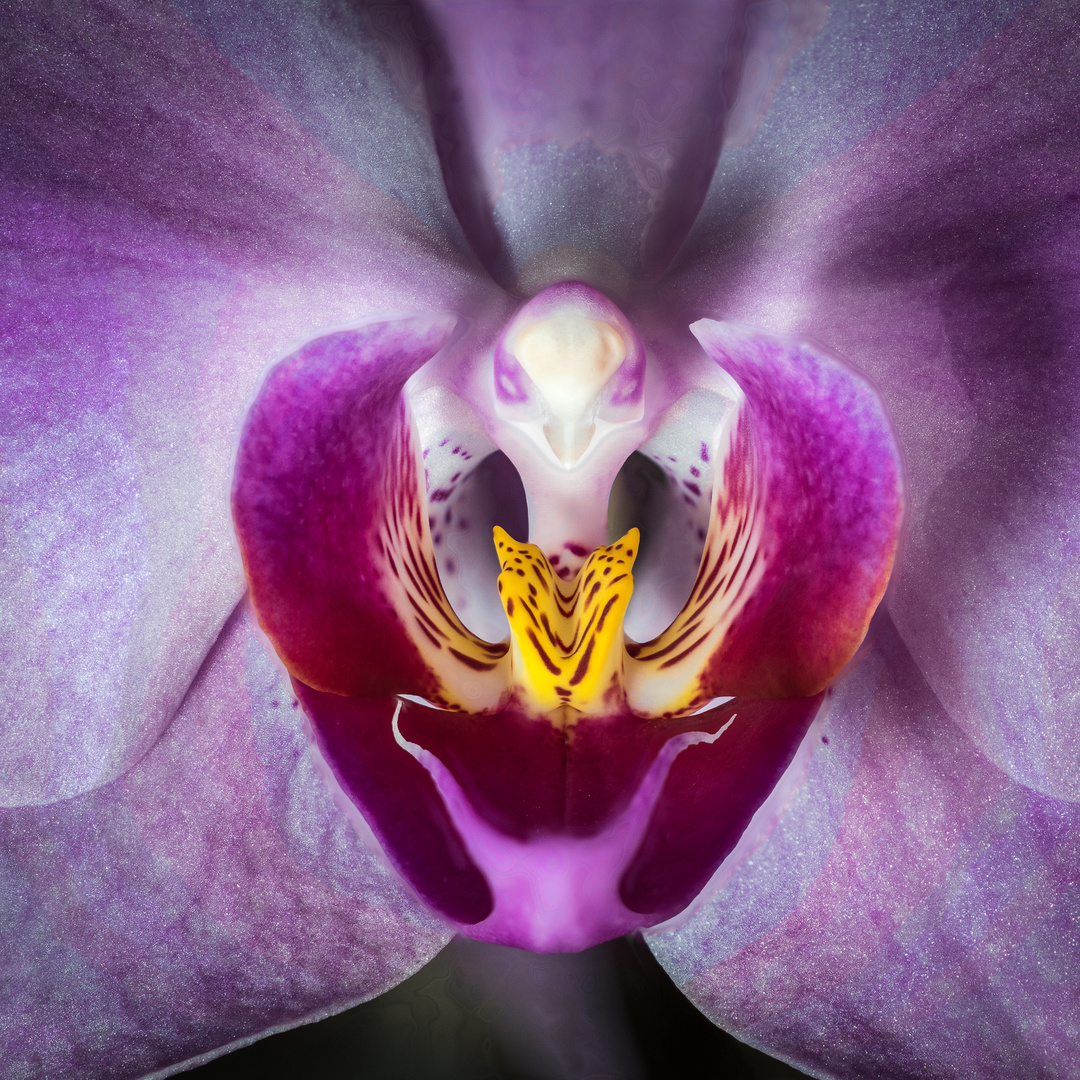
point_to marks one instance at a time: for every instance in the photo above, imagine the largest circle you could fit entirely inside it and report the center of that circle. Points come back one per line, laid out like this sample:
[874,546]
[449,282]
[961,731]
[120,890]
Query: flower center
[566,637]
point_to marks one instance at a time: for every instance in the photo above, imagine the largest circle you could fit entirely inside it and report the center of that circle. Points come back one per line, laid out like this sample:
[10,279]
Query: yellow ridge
[566,637]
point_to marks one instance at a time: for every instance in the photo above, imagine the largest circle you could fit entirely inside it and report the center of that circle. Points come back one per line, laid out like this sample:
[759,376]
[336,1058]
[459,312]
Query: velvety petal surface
[866,65]
[168,228]
[578,139]
[212,894]
[916,909]
[334,66]
[940,257]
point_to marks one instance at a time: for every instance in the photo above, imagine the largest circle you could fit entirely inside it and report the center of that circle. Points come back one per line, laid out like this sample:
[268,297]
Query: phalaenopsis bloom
[564,461]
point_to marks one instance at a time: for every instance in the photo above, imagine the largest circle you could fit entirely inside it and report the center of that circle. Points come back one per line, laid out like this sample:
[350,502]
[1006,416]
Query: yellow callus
[566,637]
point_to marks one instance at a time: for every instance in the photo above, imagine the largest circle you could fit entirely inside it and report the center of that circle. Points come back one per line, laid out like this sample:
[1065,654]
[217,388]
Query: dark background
[483,1012]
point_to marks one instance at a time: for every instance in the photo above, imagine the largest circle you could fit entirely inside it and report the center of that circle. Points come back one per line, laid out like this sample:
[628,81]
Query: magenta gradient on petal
[326,451]
[166,227]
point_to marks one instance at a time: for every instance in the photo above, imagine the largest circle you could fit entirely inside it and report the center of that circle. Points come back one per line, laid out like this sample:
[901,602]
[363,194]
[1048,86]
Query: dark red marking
[543,655]
[583,663]
[604,613]
[685,653]
[471,661]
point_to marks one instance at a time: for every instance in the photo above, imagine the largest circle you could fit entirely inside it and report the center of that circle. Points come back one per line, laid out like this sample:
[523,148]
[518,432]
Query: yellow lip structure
[567,647]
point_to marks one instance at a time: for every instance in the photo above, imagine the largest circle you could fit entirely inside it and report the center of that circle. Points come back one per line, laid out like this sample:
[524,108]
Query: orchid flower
[421,213]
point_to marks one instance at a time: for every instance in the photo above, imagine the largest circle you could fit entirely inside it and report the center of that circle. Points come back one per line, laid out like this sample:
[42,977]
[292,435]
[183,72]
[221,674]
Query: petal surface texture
[915,908]
[578,139]
[211,895]
[163,238]
[941,257]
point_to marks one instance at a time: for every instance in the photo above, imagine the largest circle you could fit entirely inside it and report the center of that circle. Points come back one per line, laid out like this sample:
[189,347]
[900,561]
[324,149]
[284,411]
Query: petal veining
[805,518]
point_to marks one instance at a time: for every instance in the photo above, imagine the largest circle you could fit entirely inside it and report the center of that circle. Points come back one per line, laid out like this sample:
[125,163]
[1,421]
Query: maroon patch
[708,799]
[399,800]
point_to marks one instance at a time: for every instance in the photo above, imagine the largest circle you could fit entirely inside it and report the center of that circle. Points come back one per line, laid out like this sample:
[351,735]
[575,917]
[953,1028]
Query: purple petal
[578,139]
[212,894]
[940,256]
[164,238]
[915,908]
[331,64]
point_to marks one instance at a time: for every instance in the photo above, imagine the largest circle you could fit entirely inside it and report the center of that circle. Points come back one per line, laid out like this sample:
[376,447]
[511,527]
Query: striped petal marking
[567,647]
[334,521]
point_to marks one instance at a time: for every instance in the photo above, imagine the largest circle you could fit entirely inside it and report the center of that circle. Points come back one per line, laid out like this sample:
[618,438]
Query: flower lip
[339,526]
[567,642]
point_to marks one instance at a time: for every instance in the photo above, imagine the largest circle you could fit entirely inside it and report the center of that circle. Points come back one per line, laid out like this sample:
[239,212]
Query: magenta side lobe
[830,517]
[325,452]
